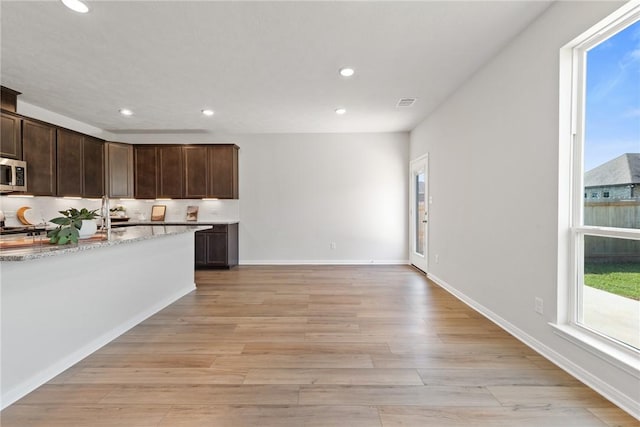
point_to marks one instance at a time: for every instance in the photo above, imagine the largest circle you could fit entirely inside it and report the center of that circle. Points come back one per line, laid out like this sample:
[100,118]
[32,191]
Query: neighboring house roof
[622,170]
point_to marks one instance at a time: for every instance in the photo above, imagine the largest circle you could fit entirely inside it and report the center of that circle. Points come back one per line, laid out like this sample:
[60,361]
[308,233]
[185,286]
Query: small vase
[88,229]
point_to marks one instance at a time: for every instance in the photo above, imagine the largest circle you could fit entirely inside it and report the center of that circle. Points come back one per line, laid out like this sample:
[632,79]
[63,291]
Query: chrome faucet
[106,216]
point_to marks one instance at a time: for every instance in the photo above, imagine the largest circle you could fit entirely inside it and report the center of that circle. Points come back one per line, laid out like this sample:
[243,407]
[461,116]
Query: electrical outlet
[332,245]
[437,257]
[539,307]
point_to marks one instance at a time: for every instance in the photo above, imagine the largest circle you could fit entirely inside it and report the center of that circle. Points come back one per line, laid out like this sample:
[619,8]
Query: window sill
[615,355]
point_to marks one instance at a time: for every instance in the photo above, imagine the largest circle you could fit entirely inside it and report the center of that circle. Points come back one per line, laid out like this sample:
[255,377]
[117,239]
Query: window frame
[571,210]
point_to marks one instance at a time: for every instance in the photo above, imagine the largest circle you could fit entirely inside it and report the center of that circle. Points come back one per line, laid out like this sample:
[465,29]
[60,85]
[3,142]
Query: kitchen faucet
[106,216]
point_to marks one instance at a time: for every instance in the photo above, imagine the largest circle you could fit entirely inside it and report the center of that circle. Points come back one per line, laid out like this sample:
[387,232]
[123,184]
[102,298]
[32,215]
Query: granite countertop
[194,223]
[118,236]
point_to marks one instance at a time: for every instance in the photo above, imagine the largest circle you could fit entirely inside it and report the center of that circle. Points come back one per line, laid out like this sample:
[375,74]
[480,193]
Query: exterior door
[418,213]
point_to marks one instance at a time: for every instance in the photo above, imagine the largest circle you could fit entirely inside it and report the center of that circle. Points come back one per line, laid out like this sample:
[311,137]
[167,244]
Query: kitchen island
[60,304]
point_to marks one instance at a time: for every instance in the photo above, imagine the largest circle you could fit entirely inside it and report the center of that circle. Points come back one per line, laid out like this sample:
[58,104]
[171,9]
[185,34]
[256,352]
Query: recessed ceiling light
[341,110]
[347,72]
[76,6]
[126,112]
[207,112]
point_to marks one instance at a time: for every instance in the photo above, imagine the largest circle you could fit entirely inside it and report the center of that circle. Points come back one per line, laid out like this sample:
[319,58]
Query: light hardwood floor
[315,346]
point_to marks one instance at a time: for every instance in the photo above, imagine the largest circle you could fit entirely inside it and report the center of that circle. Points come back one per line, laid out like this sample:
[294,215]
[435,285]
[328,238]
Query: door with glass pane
[418,213]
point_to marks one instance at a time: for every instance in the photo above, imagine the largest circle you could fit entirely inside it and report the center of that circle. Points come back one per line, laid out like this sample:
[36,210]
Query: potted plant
[70,224]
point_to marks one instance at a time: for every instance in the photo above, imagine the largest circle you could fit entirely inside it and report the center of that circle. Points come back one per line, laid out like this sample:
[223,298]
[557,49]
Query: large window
[605,219]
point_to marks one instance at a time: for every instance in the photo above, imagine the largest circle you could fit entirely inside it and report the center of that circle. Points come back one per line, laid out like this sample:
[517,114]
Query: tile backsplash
[44,209]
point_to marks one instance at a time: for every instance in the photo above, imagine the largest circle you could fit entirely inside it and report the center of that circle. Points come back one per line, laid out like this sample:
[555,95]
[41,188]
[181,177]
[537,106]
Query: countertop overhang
[118,236]
[119,224]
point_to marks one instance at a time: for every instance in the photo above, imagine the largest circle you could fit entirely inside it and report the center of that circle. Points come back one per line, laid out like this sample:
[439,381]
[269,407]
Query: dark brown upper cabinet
[39,151]
[119,169]
[8,99]
[223,171]
[186,171]
[69,163]
[80,165]
[145,171]
[196,171]
[11,136]
[170,171]
[93,167]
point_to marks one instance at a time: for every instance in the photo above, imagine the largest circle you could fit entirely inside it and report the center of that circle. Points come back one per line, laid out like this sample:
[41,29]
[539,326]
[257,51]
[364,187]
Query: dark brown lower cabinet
[217,247]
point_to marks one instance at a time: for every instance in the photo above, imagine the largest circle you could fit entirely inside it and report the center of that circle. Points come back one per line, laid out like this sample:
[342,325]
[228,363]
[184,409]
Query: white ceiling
[264,67]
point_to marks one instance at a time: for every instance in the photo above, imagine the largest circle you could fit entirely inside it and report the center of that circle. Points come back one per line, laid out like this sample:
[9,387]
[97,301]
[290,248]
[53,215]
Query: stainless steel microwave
[13,175]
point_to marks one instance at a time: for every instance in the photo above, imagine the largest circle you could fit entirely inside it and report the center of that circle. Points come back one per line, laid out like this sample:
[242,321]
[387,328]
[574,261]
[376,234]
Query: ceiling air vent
[406,102]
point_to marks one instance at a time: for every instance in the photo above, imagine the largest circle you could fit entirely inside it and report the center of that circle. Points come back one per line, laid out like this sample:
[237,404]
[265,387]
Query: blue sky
[612,125]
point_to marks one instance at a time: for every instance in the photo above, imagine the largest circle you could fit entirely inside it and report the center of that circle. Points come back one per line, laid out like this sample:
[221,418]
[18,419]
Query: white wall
[300,192]
[493,154]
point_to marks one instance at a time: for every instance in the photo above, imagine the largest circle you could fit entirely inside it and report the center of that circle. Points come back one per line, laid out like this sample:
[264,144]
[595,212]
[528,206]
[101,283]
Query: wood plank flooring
[315,346]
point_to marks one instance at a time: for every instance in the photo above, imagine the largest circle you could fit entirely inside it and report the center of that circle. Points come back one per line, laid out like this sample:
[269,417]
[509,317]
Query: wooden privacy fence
[622,214]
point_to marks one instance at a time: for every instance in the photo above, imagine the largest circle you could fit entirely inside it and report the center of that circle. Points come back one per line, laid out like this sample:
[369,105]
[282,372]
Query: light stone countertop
[147,223]
[119,236]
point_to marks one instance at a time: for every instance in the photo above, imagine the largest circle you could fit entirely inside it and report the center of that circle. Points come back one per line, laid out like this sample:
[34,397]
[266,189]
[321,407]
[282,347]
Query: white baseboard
[57,368]
[620,399]
[323,262]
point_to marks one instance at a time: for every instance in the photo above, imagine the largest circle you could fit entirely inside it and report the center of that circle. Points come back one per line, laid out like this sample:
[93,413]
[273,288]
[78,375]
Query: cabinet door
[11,137]
[170,171]
[69,163]
[93,167]
[216,249]
[201,248]
[39,151]
[119,170]
[196,171]
[223,174]
[145,172]
[232,245]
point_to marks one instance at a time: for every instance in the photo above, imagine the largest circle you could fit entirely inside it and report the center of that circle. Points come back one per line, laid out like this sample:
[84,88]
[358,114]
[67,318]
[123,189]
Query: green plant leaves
[69,224]
[61,220]
[63,235]
[83,213]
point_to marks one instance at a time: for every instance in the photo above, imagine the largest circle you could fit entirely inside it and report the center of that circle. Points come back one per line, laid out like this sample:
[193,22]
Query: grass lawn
[620,279]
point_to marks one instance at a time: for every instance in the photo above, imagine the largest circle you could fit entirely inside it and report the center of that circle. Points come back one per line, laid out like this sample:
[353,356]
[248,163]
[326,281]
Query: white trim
[323,262]
[620,399]
[57,368]
[618,358]
[622,233]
